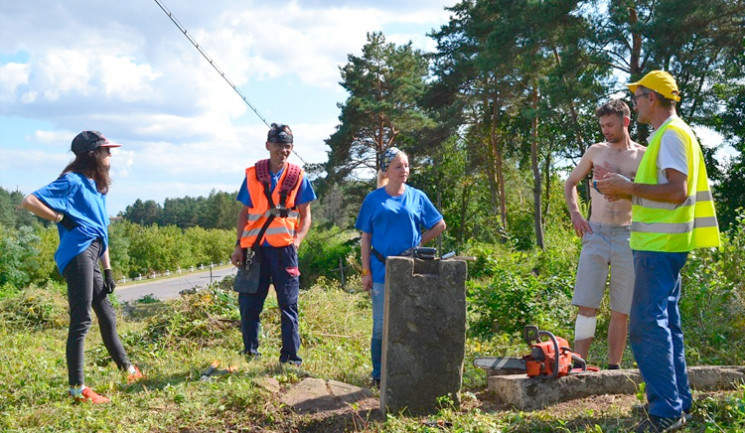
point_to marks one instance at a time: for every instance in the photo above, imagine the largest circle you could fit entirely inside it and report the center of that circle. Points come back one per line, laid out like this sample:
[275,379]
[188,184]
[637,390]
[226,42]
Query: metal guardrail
[167,273]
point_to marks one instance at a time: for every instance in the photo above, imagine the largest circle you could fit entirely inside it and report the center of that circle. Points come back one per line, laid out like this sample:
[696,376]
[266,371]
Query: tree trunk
[635,68]
[577,132]
[496,150]
[464,200]
[547,200]
[536,174]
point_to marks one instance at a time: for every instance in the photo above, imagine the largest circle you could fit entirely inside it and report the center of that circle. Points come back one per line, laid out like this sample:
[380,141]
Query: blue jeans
[376,342]
[275,263]
[655,334]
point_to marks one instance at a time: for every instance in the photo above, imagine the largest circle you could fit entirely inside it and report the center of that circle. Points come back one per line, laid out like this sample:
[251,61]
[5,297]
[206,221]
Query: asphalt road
[169,287]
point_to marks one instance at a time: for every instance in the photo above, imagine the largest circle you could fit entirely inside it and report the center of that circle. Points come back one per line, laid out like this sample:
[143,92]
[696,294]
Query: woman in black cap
[76,201]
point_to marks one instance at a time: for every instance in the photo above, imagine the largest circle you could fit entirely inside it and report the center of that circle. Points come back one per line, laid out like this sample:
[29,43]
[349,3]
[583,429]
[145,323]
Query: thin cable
[201,51]
[222,74]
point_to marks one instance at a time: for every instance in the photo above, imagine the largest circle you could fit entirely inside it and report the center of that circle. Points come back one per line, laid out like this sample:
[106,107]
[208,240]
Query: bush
[322,251]
[713,301]
[512,293]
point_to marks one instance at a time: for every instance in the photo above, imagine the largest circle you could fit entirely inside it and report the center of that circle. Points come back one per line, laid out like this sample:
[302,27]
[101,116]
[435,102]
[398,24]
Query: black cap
[279,134]
[90,140]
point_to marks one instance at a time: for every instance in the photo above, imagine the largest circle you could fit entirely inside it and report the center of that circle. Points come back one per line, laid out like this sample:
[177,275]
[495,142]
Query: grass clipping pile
[34,308]
[200,317]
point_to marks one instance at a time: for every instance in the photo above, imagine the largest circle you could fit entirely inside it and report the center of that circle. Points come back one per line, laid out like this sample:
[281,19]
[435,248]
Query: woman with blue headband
[393,218]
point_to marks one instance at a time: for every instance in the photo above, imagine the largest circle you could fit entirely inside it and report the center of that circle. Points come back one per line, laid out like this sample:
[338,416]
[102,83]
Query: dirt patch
[354,417]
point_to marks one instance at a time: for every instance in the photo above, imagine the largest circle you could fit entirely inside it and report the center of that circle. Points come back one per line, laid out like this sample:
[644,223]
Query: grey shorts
[605,249]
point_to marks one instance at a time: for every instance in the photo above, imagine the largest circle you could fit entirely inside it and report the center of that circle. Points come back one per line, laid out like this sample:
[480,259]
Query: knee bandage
[584,327]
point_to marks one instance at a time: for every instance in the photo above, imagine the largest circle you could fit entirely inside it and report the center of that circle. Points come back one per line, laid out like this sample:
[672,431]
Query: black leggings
[85,290]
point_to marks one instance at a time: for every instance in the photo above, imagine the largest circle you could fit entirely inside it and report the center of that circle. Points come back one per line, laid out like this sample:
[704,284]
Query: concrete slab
[268,383]
[314,395]
[532,393]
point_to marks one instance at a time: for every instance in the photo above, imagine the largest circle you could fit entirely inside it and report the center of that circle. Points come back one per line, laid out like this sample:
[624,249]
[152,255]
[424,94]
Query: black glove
[108,280]
[67,222]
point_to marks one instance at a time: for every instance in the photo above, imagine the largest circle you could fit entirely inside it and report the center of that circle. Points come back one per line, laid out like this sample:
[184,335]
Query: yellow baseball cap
[659,81]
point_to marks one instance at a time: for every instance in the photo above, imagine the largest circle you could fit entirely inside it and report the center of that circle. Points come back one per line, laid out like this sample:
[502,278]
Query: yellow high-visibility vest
[669,227]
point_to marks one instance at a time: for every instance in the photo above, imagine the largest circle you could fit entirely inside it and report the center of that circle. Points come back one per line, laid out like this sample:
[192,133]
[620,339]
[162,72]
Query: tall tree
[511,55]
[695,41]
[384,85]
[144,213]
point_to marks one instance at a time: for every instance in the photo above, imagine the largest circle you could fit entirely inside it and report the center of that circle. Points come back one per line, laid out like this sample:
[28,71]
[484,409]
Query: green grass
[175,341]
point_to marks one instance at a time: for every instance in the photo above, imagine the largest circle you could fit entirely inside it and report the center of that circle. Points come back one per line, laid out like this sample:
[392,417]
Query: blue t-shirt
[396,223]
[76,196]
[305,193]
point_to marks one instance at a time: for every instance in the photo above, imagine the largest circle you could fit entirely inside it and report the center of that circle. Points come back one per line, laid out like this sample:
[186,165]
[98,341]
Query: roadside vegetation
[176,341]
[491,120]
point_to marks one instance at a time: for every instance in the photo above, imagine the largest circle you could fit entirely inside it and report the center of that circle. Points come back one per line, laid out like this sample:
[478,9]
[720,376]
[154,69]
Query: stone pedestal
[527,393]
[424,334]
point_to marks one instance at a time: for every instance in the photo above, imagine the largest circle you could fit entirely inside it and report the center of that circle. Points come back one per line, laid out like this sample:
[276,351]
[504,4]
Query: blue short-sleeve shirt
[76,196]
[395,223]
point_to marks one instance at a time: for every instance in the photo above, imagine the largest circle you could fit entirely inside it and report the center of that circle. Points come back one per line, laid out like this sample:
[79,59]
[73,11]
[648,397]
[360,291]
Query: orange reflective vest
[281,231]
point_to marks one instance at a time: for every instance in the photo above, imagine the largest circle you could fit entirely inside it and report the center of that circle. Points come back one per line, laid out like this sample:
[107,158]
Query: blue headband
[388,156]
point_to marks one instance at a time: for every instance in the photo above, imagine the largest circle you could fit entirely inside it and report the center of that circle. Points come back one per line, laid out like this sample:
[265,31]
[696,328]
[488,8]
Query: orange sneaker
[136,376]
[90,396]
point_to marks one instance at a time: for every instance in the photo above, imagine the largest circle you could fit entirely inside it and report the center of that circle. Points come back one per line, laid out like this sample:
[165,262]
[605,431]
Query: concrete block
[423,334]
[534,393]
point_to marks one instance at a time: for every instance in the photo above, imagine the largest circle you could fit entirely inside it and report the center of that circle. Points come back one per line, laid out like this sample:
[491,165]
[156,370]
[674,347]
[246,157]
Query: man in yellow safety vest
[672,214]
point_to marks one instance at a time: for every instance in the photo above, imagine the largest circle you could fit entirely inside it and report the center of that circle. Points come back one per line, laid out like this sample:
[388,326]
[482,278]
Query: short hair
[666,103]
[614,106]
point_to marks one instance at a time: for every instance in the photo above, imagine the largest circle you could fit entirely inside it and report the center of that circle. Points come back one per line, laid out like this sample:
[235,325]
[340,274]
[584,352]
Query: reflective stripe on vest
[281,231]
[670,227]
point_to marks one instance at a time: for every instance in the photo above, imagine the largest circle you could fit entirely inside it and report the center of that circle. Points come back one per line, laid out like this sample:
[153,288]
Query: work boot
[656,424]
[643,410]
[291,362]
[136,376]
[90,396]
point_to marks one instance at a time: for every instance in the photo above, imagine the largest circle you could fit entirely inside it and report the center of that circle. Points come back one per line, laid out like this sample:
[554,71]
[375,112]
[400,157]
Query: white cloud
[12,76]
[124,69]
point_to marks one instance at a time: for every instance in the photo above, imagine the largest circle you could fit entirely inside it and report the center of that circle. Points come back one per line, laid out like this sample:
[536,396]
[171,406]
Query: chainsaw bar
[502,365]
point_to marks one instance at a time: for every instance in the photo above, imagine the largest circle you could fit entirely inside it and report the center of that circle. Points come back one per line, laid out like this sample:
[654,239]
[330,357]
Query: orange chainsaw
[548,359]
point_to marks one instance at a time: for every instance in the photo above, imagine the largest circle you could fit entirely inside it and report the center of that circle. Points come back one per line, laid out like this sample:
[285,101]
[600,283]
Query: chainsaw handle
[557,363]
[531,334]
[578,359]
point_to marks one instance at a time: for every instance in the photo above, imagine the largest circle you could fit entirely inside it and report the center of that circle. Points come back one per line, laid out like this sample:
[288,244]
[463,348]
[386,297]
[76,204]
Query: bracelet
[365,272]
[595,185]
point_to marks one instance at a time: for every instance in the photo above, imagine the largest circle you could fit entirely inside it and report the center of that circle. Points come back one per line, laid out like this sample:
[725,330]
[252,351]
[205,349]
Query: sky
[123,68]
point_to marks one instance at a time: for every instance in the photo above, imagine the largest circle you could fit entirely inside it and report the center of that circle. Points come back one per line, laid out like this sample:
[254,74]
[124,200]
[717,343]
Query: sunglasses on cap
[280,134]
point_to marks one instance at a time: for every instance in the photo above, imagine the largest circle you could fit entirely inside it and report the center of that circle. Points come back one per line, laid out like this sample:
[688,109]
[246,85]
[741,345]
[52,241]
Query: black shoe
[643,410]
[285,360]
[656,424]
[250,355]
[376,382]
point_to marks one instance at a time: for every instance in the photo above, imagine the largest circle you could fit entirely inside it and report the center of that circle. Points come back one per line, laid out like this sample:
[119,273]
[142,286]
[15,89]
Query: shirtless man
[605,238]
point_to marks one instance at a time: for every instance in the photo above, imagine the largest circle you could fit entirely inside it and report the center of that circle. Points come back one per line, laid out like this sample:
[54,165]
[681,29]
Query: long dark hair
[90,164]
